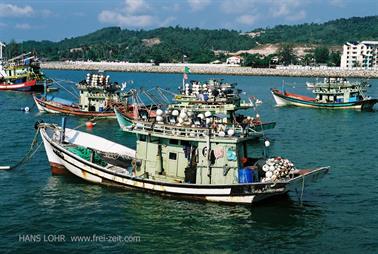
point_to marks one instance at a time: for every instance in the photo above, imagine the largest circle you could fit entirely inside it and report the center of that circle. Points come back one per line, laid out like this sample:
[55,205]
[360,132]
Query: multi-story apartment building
[360,54]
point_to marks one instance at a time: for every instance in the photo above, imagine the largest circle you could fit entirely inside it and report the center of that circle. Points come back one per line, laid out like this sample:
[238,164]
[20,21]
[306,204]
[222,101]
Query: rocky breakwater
[294,71]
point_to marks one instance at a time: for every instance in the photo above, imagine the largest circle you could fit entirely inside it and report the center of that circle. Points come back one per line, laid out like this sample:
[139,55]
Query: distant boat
[98,96]
[310,84]
[332,94]
[18,84]
[21,73]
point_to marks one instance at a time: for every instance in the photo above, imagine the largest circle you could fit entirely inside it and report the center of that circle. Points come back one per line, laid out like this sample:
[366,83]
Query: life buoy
[204,151]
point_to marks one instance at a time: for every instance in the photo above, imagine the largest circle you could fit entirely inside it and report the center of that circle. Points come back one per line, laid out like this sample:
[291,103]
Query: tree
[321,54]
[334,58]
[257,60]
[286,54]
[12,49]
[308,59]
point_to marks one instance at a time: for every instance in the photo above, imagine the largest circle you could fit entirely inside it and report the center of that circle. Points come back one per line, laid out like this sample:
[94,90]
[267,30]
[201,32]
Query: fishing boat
[177,163]
[97,98]
[214,95]
[310,84]
[186,118]
[21,73]
[220,107]
[333,93]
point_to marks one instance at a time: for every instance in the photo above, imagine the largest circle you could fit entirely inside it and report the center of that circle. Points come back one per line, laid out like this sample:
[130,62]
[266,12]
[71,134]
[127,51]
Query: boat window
[173,141]
[142,137]
[172,156]
[185,143]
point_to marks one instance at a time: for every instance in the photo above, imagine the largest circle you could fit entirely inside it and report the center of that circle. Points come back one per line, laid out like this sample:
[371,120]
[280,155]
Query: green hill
[170,44]
[334,32]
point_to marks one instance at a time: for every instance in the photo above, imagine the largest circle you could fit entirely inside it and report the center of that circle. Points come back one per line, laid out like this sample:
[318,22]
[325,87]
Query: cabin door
[182,162]
[177,164]
[172,163]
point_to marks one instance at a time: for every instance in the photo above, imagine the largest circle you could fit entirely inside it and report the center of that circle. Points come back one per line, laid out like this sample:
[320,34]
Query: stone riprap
[212,69]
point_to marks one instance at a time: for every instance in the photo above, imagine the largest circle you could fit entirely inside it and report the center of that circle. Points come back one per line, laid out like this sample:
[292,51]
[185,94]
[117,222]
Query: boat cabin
[188,157]
[97,93]
[339,92]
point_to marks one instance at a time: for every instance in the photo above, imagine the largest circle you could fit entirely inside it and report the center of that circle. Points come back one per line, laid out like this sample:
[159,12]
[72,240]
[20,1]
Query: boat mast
[1,50]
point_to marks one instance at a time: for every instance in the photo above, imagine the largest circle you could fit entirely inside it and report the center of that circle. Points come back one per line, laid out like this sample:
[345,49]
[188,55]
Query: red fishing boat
[21,73]
[27,85]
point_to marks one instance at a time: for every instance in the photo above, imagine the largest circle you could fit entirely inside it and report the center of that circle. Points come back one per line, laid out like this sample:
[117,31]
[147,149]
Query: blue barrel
[245,175]
[100,109]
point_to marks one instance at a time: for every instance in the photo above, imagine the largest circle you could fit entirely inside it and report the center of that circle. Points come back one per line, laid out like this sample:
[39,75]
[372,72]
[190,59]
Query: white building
[360,54]
[234,60]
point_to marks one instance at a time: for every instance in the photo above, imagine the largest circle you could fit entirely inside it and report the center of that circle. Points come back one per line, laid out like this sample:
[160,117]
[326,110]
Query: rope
[74,95]
[301,198]
[29,154]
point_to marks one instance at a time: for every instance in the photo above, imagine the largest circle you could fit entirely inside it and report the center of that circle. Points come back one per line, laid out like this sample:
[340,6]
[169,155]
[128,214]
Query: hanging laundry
[218,152]
[231,154]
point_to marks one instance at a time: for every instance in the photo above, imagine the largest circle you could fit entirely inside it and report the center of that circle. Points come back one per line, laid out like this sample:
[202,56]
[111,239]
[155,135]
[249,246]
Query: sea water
[41,213]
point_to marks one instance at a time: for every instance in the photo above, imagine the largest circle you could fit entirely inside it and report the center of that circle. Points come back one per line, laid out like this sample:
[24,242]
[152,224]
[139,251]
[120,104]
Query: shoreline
[210,69]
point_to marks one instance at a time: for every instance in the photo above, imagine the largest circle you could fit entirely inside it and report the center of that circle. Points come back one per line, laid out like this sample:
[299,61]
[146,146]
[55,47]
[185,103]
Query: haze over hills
[171,44]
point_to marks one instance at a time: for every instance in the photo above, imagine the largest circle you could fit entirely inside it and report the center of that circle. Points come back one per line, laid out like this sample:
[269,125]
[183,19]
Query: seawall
[214,69]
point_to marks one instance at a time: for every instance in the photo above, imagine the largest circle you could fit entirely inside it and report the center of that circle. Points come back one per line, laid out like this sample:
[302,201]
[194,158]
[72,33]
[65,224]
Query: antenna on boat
[1,50]
[62,133]
[45,88]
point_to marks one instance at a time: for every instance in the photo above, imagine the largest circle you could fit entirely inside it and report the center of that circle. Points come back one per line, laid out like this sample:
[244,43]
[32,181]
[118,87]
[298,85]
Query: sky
[58,19]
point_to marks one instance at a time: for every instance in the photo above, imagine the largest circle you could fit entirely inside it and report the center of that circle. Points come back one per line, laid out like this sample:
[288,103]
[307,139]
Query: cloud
[299,15]
[45,13]
[11,10]
[241,6]
[171,8]
[248,9]
[123,20]
[134,13]
[167,21]
[136,6]
[337,3]
[246,19]
[198,5]
[79,14]
[23,26]
[283,8]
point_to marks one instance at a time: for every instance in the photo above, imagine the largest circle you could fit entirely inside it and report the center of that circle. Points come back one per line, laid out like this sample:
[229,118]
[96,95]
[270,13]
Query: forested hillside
[175,44]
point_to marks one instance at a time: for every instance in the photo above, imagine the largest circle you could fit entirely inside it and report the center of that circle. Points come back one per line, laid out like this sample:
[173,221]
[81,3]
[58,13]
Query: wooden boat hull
[23,86]
[303,101]
[234,193]
[264,126]
[57,108]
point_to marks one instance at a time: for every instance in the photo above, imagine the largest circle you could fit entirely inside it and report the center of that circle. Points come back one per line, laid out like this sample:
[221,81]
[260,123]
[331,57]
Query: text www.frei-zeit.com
[51,238]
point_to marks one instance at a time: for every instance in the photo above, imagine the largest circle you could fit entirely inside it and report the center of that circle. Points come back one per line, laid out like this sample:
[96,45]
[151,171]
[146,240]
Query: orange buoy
[90,124]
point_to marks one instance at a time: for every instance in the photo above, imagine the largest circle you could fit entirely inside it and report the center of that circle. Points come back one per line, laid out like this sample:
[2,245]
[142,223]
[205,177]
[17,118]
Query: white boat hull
[280,101]
[113,175]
